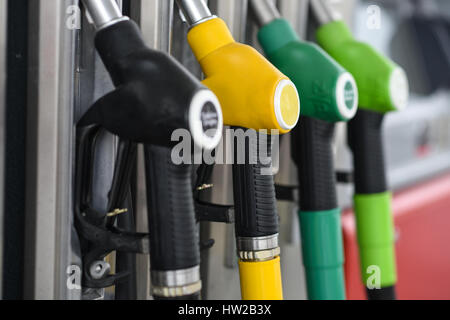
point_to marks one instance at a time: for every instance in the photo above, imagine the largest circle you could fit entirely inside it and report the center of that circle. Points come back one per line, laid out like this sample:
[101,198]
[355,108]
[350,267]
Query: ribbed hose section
[312,142]
[254,190]
[365,141]
[173,236]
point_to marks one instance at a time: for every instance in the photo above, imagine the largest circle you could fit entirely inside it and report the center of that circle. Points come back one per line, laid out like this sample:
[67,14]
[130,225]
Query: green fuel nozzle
[328,92]
[383,87]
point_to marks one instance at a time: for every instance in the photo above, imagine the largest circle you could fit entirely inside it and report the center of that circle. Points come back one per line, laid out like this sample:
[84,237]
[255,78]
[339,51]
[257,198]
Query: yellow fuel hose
[261,280]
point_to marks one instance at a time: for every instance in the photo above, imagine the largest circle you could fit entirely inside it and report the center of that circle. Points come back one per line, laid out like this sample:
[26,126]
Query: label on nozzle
[287,104]
[206,119]
[210,119]
[349,95]
[399,89]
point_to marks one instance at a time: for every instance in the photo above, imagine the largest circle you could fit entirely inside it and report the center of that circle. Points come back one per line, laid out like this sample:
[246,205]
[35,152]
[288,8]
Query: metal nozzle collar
[176,278]
[173,292]
[176,283]
[259,256]
[258,248]
[257,243]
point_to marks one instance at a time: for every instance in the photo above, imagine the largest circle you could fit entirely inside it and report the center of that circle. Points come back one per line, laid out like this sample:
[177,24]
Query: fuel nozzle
[382,84]
[330,95]
[154,95]
[329,92]
[383,87]
[252,92]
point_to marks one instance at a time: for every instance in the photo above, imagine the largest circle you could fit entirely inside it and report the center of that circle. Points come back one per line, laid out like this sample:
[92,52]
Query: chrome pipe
[323,11]
[104,13]
[265,11]
[194,11]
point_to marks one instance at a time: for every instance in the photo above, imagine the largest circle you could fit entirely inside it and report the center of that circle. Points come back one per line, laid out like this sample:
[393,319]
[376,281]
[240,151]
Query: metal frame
[3,24]
[296,12]
[49,151]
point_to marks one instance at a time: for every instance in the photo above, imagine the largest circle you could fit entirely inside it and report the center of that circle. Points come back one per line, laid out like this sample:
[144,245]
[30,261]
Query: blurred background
[50,74]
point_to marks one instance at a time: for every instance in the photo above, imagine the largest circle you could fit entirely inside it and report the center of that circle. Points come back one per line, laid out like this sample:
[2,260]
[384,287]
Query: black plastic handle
[365,138]
[366,142]
[154,91]
[313,154]
[174,243]
[254,190]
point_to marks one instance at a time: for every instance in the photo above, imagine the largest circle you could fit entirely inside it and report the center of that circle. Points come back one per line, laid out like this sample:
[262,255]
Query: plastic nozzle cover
[329,92]
[252,92]
[155,94]
[383,85]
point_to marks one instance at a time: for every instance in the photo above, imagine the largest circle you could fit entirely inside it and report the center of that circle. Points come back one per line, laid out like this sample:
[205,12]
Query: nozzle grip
[376,238]
[254,190]
[174,243]
[312,144]
[365,141]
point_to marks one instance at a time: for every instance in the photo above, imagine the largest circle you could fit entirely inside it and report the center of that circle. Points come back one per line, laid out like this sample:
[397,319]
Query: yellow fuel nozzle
[253,93]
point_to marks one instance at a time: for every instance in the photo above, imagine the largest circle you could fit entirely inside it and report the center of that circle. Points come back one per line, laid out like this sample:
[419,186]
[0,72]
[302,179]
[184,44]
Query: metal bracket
[345,177]
[102,242]
[285,193]
[214,213]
